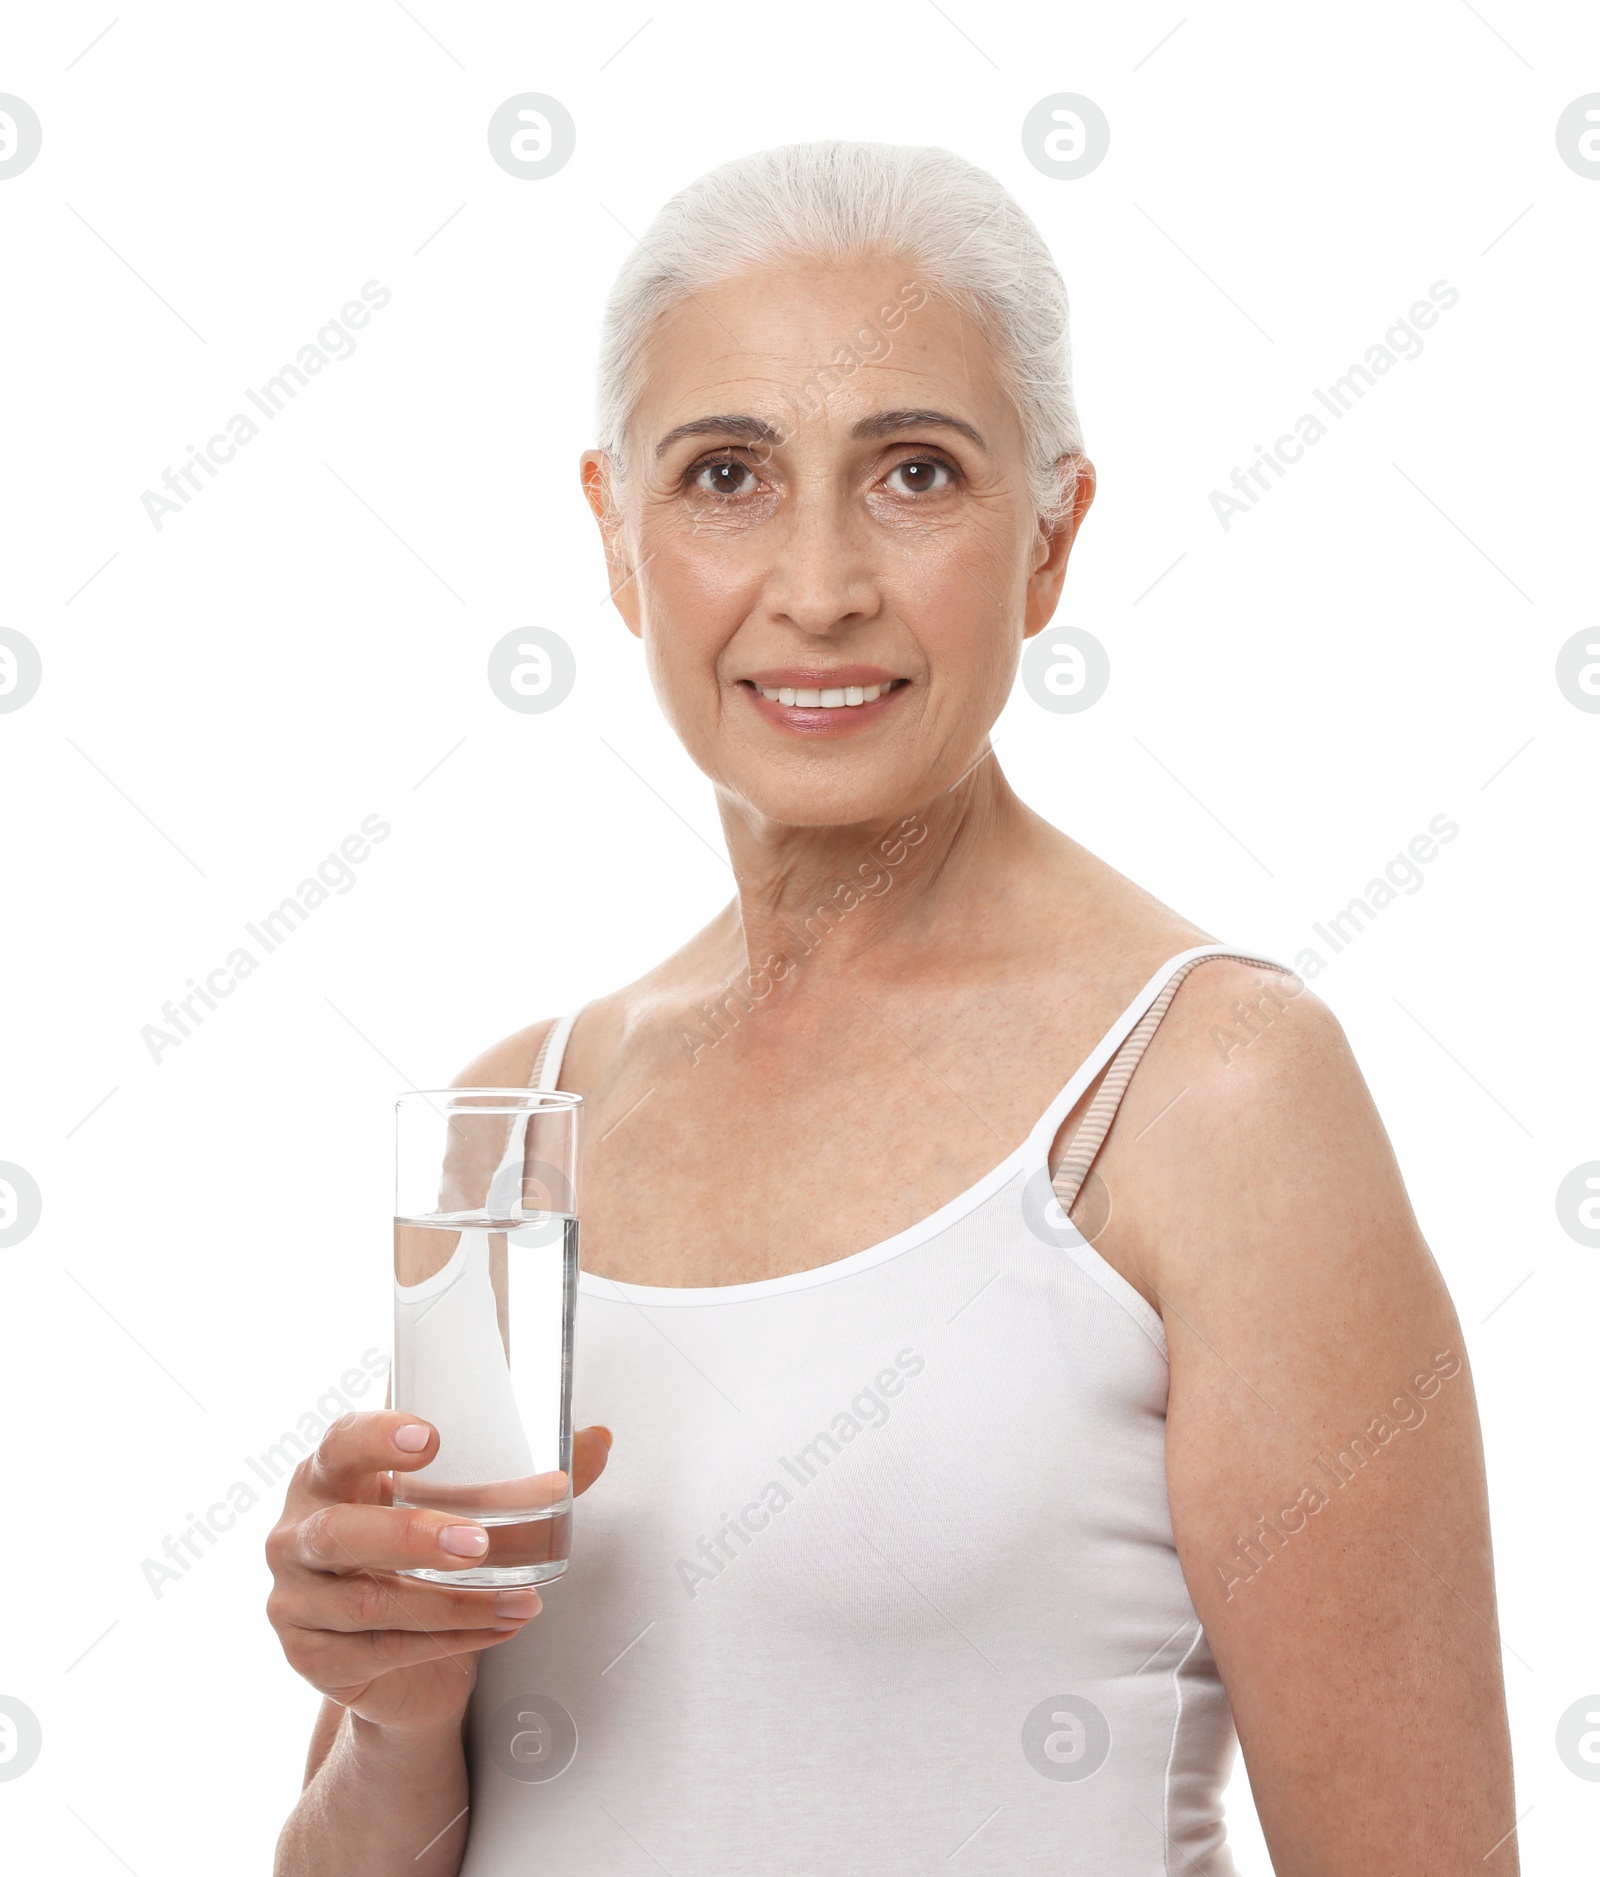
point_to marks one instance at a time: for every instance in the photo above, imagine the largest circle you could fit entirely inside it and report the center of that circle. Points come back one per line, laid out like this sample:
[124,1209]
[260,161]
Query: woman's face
[829,495]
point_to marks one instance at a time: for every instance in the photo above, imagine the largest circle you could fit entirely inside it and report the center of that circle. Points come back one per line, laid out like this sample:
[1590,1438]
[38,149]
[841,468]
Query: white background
[226,698]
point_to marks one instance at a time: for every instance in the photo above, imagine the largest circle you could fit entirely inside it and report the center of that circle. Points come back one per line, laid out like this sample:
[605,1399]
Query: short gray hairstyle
[952,222]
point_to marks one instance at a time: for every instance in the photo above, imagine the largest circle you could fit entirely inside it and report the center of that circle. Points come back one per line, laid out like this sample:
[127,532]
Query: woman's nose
[822,575]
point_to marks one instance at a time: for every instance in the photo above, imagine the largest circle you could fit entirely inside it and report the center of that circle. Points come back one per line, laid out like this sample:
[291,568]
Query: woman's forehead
[849,340]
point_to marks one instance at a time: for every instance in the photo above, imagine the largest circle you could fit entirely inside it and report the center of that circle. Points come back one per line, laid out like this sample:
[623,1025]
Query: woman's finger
[361,1537]
[331,1661]
[362,1600]
[357,1448]
[590,1448]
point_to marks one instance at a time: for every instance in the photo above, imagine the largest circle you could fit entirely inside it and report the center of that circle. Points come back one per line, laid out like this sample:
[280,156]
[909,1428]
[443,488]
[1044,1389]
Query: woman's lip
[819,678]
[818,720]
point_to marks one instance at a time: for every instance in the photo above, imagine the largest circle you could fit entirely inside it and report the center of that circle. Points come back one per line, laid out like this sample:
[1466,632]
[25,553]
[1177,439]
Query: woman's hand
[397,1651]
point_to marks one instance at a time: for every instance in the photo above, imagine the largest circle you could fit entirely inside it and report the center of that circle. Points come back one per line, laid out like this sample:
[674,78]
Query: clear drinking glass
[485,1299]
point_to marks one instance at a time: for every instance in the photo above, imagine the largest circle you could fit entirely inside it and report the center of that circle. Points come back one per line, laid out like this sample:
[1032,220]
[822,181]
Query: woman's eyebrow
[745,429]
[885,423]
[757,430]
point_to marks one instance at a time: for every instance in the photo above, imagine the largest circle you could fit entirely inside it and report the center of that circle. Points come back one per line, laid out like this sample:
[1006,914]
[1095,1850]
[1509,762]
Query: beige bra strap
[1091,1132]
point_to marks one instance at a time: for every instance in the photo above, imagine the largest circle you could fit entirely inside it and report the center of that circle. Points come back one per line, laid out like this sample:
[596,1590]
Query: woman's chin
[802,800]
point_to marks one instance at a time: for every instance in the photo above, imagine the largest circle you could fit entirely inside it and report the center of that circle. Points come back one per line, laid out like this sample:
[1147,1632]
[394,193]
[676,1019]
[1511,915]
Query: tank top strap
[1090,1134]
[547,1063]
[506,1182]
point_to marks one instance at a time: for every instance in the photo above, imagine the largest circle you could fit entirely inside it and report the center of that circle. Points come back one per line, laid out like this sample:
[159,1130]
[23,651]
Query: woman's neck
[822,897]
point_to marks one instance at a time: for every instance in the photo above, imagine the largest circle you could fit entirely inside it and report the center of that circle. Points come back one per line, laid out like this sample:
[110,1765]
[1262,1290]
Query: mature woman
[996,1429]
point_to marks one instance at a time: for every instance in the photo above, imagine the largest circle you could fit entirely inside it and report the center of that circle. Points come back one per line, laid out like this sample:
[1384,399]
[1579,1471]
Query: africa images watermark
[868,1408]
[870,343]
[332,344]
[1402,874]
[871,880]
[335,875]
[1270,1535]
[280,1459]
[1402,342]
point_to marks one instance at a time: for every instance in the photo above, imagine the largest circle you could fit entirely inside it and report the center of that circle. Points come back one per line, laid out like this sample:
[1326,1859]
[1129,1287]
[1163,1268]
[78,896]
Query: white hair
[946,218]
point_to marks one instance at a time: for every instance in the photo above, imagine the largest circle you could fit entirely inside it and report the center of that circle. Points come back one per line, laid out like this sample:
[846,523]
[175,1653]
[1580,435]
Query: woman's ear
[599,488]
[1055,544]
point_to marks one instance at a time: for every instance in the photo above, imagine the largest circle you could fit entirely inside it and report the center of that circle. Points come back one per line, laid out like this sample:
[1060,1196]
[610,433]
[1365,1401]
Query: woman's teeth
[842,697]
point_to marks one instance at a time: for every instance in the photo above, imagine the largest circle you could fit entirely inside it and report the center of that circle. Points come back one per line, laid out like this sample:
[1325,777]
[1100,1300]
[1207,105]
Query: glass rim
[513,1100]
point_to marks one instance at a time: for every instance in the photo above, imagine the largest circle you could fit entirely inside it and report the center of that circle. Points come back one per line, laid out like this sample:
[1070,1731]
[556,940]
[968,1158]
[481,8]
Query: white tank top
[880,1575]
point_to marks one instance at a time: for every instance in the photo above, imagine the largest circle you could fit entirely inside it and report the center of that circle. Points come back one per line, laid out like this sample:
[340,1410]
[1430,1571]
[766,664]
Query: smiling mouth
[831,697]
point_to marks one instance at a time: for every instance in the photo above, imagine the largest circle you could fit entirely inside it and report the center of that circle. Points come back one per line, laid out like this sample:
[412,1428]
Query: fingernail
[517,1603]
[607,1432]
[466,1541]
[411,1438]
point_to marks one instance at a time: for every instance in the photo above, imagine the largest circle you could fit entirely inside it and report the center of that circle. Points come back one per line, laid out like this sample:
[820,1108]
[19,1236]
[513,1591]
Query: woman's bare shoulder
[1258,1047]
[615,1024]
[1252,1152]
[508,1063]
[609,1020]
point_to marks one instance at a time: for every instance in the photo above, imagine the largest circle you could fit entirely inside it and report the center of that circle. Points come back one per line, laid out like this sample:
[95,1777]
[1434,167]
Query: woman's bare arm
[1324,1459]
[377,1800]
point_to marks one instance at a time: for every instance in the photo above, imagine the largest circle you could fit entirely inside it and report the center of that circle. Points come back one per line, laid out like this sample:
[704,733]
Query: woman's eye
[727,476]
[920,475]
